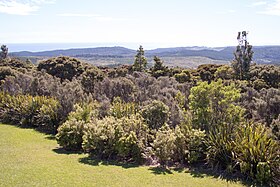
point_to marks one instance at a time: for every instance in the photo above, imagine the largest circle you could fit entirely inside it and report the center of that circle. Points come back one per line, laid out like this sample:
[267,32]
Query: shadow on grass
[50,137]
[160,170]
[196,171]
[202,171]
[93,161]
[62,151]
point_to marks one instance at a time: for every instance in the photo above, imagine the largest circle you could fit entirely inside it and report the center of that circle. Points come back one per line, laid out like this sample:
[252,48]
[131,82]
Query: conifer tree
[140,62]
[159,69]
[242,56]
[158,64]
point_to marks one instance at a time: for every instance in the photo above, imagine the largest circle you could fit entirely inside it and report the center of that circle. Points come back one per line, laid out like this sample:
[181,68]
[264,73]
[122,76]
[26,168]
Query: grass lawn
[29,158]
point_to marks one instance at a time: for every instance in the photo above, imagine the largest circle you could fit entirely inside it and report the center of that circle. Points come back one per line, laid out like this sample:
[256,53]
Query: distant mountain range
[262,54]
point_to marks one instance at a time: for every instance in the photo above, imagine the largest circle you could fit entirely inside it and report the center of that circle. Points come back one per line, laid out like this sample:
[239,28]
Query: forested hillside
[223,116]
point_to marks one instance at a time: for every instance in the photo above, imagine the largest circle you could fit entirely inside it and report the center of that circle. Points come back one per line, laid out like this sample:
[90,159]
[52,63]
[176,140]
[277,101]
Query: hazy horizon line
[39,47]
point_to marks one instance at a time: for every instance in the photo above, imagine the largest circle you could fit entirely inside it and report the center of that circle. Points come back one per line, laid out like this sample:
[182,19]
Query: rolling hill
[189,55]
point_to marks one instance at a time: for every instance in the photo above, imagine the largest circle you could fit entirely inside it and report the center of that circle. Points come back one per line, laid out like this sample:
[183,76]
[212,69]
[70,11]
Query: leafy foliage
[101,137]
[189,144]
[134,139]
[182,77]
[155,114]
[120,109]
[39,111]
[70,134]
[62,67]
[214,104]
[242,61]
[257,154]
[164,144]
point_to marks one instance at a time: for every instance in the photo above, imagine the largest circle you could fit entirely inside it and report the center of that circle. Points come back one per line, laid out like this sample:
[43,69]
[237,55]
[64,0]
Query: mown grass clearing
[29,158]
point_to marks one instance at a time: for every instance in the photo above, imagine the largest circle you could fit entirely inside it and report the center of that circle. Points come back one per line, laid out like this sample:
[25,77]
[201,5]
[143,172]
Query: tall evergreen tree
[140,62]
[242,56]
[4,52]
[158,64]
[159,69]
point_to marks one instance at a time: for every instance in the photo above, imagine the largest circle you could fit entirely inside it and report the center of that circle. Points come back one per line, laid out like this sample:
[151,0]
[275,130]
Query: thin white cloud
[259,3]
[226,12]
[22,7]
[272,9]
[78,15]
[92,16]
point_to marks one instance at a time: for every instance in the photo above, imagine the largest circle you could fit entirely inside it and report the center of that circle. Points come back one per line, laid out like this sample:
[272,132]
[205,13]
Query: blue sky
[164,23]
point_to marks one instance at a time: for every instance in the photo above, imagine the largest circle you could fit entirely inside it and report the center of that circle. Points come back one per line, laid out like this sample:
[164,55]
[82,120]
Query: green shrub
[224,72]
[5,71]
[47,119]
[121,109]
[155,114]
[62,67]
[85,112]
[164,144]
[100,138]
[257,154]
[24,110]
[220,148]
[133,141]
[189,144]
[70,134]
[16,63]
[259,84]
[124,138]
[197,147]
[215,104]
[182,77]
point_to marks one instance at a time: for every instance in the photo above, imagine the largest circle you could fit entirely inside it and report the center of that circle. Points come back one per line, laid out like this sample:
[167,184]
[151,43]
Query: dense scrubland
[224,117]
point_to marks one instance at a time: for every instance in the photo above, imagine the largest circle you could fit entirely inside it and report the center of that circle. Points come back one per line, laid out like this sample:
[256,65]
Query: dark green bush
[62,67]
[159,69]
[155,114]
[189,145]
[16,63]
[4,72]
[182,77]
[220,148]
